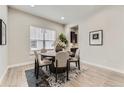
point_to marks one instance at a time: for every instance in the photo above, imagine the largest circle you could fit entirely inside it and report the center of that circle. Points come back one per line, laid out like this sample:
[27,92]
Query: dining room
[56,49]
[61,46]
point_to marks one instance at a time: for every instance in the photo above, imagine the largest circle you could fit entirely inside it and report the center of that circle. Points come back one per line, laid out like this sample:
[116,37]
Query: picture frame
[96,38]
[2,32]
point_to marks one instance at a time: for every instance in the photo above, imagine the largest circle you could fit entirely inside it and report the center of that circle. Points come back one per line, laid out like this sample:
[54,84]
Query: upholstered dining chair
[76,58]
[40,63]
[61,63]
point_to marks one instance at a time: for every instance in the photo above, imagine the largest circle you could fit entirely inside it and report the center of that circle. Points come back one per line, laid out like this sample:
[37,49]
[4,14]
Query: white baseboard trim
[101,66]
[3,76]
[20,64]
[11,66]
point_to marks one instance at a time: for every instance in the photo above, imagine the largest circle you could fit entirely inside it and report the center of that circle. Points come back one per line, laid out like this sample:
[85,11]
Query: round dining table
[48,54]
[52,53]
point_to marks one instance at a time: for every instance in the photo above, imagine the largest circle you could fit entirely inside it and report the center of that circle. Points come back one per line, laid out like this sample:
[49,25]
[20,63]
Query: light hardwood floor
[92,77]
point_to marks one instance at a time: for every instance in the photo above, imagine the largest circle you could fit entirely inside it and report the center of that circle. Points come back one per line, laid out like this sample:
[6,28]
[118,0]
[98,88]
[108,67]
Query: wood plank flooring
[92,77]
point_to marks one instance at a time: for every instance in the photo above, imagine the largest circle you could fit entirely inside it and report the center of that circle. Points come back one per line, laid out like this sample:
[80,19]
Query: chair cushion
[45,62]
[73,59]
[48,58]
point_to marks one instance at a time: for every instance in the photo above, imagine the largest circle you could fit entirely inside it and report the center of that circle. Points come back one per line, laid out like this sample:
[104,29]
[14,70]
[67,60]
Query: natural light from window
[41,38]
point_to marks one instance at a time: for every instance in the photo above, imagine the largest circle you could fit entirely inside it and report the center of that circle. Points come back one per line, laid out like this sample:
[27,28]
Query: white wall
[111,54]
[3,49]
[19,45]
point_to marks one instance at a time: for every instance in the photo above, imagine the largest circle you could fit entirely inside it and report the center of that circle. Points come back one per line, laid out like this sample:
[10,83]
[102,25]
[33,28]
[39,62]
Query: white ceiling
[72,13]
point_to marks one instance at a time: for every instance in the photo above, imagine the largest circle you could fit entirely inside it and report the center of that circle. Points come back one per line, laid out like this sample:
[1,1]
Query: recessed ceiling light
[32,5]
[62,18]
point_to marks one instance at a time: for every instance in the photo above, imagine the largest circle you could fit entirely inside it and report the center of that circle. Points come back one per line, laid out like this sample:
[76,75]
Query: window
[41,38]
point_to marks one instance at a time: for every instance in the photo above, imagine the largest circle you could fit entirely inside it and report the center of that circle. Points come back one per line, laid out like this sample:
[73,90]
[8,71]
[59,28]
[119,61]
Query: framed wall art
[96,38]
[2,32]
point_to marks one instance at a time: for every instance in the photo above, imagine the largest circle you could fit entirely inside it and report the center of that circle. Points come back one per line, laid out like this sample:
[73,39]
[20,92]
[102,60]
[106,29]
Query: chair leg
[56,74]
[56,77]
[78,64]
[68,70]
[35,68]
[37,72]
[68,65]
[67,76]
[56,70]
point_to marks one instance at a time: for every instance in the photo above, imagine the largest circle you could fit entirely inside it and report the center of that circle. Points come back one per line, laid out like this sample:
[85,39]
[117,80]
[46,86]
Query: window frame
[44,40]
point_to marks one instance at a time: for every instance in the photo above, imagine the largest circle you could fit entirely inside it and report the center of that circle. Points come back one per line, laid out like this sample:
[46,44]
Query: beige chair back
[61,58]
[77,54]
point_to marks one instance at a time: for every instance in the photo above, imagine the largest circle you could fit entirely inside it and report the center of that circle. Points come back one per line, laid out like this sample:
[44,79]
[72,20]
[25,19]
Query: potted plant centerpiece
[62,43]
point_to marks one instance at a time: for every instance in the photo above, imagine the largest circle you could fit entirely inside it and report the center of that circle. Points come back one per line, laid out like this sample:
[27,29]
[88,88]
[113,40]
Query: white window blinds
[41,38]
